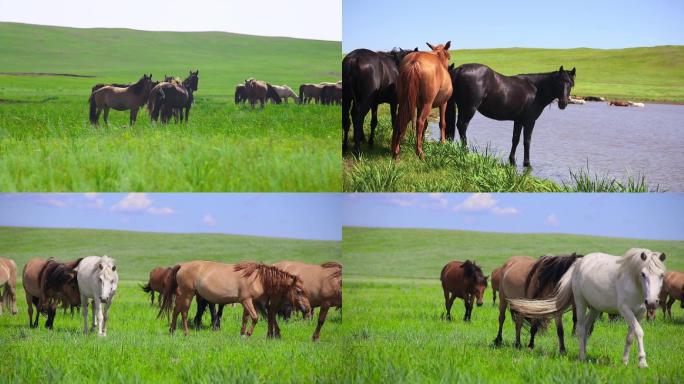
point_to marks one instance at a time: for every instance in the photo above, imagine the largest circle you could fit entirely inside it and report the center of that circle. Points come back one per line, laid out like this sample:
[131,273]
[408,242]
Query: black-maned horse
[369,78]
[520,98]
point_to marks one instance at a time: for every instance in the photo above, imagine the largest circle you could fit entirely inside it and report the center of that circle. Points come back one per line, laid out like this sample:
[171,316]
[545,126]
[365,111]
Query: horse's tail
[169,295]
[93,108]
[146,288]
[555,305]
[410,80]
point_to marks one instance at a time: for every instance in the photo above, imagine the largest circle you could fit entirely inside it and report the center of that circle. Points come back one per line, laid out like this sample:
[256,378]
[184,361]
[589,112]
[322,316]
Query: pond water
[612,141]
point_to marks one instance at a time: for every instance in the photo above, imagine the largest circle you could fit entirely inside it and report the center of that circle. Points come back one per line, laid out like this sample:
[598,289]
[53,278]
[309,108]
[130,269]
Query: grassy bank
[47,143]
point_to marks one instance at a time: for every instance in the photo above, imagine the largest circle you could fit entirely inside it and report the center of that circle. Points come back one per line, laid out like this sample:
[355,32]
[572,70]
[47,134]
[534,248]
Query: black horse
[369,78]
[520,98]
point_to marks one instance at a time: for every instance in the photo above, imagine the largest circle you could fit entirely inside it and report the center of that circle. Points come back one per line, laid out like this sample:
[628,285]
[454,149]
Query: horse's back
[513,276]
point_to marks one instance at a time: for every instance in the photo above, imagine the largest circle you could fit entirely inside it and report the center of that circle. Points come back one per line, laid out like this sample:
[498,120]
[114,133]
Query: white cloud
[93,200]
[209,220]
[438,200]
[160,211]
[133,202]
[504,211]
[552,220]
[484,202]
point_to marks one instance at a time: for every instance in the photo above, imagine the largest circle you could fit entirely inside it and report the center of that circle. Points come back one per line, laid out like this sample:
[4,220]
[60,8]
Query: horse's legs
[533,332]
[51,312]
[346,120]
[134,116]
[322,313]
[245,316]
[421,122]
[359,112]
[201,307]
[84,305]
[469,307]
[151,297]
[217,324]
[106,115]
[212,312]
[249,306]
[582,330]
[518,326]
[502,318]
[517,129]
[442,123]
[636,329]
[560,334]
[374,123]
[670,301]
[527,140]
[494,295]
[187,113]
[29,307]
[447,304]
[106,317]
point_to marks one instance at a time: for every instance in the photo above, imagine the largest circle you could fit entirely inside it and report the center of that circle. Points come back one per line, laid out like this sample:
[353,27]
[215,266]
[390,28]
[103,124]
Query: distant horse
[424,83]
[369,80]
[322,287]
[520,98]
[308,92]
[673,290]
[634,104]
[231,283]
[167,100]
[465,280]
[258,91]
[285,92]
[628,284]
[121,99]
[8,281]
[618,103]
[496,279]
[100,85]
[331,94]
[594,98]
[240,94]
[525,277]
[156,283]
[46,283]
[97,280]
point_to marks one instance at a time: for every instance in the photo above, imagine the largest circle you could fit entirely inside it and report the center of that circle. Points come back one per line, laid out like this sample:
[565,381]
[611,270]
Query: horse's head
[478,281]
[651,276]
[297,296]
[442,51]
[565,80]
[192,80]
[108,279]
[69,290]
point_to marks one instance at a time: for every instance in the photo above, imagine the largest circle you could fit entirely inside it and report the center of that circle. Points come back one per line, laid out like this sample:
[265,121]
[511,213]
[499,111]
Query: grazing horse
[673,290]
[331,94]
[121,99]
[308,92]
[424,83]
[618,103]
[628,284]
[322,287]
[259,91]
[46,284]
[496,279]
[284,92]
[369,80]
[464,280]
[231,283]
[520,98]
[525,277]
[156,283]
[8,280]
[97,280]
[240,94]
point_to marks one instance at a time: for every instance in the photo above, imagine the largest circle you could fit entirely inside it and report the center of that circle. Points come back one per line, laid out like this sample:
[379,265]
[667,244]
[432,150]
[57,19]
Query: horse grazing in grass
[240,94]
[97,280]
[525,277]
[47,282]
[369,79]
[331,94]
[220,283]
[258,91]
[121,99]
[285,92]
[520,98]
[322,287]
[308,92]
[8,281]
[423,83]
[156,283]
[628,284]
[496,279]
[673,290]
[465,280]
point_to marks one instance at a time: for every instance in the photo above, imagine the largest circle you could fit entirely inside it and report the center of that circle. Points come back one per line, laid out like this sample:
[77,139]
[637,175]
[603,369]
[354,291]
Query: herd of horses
[173,97]
[272,290]
[632,285]
[414,82]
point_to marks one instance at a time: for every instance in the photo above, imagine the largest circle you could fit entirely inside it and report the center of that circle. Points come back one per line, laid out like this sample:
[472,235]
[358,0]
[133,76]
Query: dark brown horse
[464,280]
[156,283]
[331,94]
[240,94]
[424,83]
[47,283]
[130,98]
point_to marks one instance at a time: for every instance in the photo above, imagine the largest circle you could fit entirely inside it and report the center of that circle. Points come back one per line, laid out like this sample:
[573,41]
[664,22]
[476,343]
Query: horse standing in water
[8,280]
[424,83]
[629,285]
[132,97]
[48,283]
[521,98]
[465,280]
[97,280]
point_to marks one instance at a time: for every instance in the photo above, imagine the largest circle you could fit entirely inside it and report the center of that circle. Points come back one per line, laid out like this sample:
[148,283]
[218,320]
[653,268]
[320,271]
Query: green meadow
[394,299]
[47,143]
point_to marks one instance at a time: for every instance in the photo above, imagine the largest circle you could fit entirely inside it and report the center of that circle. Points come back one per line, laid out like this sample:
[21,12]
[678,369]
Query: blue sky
[642,216]
[291,215]
[384,24]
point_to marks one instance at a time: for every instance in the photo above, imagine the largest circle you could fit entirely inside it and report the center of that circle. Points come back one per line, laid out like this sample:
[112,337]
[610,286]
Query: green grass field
[394,298]
[47,143]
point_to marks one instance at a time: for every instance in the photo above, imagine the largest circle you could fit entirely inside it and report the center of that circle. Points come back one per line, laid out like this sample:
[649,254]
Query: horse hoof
[643,364]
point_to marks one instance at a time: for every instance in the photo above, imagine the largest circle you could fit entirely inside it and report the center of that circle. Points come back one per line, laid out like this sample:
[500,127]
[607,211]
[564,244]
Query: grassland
[392,285]
[47,144]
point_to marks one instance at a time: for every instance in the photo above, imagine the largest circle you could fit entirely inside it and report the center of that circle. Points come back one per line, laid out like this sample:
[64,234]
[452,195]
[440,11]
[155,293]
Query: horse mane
[273,279]
[472,270]
[549,270]
[631,261]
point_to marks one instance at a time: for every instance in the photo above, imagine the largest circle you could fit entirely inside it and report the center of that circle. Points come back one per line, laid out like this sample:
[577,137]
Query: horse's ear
[662,256]
[643,256]
[431,47]
[447,45]
[451,66]
[415,49]
[561,69]
[572,72]
[100,265]
[114,268]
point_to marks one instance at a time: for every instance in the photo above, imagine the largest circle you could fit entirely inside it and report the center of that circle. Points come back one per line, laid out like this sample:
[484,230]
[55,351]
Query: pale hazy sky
[308,19]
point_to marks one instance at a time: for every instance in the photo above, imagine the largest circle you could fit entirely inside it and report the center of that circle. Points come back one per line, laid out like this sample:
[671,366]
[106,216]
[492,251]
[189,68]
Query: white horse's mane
[631,261]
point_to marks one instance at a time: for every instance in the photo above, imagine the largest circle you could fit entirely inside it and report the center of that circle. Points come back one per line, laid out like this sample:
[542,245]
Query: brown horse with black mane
[220,283]
[47,283]
[424,83]
[465,280]
[121,99]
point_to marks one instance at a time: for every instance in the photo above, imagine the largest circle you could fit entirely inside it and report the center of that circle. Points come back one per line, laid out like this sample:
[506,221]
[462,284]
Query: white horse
[628,285]
[97,280]
[285,92]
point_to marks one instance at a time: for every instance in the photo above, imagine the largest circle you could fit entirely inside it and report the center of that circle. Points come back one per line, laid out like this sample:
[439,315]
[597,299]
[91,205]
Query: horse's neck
[544,85]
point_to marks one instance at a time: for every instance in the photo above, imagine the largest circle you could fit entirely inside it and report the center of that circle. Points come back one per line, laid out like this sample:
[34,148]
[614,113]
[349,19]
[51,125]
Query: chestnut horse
[464,280]
[673,290]
[132,97]
[156,283]
[8,280]
[322,287]
[47,283]
[496,279]
[221,283]
[424,83]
